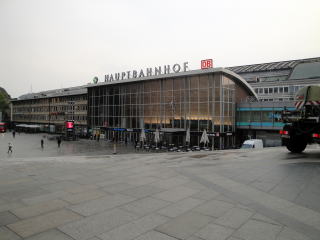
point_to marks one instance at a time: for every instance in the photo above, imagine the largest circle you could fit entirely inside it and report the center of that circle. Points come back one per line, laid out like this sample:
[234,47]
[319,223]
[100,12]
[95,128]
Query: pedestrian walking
[42,143]
[13,133]
[10,148]
[59,142]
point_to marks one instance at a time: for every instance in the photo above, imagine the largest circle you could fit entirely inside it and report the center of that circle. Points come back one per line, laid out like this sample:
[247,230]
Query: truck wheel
[296,145]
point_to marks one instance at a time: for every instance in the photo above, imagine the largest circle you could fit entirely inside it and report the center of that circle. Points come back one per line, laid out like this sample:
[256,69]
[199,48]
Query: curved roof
[306,71]
[271,66]
[231,74]
[242,81]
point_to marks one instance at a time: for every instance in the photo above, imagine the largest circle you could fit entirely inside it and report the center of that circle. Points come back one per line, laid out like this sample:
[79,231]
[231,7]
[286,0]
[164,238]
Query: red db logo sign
[69,124]
[206,64]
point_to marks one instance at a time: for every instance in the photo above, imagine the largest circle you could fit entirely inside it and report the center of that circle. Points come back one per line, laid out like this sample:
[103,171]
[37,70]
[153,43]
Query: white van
[252,144]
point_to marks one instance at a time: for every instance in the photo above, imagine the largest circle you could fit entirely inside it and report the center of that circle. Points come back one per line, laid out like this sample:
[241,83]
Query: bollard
[114,148]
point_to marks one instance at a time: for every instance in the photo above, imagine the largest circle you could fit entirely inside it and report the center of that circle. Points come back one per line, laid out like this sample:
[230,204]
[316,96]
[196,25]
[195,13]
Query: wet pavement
[82,191]
[28,145]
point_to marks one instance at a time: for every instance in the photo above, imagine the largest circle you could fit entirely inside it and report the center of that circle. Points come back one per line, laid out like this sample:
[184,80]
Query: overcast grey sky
[49,44]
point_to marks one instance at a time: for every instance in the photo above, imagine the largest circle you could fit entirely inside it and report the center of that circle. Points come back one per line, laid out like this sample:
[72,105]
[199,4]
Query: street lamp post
[49,117]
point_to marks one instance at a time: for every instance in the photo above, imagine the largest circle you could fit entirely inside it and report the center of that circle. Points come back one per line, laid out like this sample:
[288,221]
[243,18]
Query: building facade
[222,101]
[261,120]
[172,103]
[276,85]
[279,81]
[50,110]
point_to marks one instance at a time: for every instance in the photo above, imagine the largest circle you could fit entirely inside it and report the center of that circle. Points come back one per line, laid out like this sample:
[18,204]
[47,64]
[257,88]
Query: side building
[171,103]
[279,81]
[275,84]
[261,120]
[49,110]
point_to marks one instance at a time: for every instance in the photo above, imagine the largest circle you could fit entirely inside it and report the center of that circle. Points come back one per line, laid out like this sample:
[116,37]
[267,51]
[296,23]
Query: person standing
[42,143]
[59,142]
[10,148]
[98,137]
[13,133]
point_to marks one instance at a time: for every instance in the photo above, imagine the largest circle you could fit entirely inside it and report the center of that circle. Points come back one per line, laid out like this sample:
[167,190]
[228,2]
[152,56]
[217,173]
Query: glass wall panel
[194,82]
[204,101]
[256,116]
[204,81]
[194,95]
[203,95]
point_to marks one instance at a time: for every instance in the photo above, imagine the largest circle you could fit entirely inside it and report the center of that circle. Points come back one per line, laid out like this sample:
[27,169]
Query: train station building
[171,103]
[232,104]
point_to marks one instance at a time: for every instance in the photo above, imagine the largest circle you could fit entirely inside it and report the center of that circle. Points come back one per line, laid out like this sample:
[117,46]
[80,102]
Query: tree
[4,103]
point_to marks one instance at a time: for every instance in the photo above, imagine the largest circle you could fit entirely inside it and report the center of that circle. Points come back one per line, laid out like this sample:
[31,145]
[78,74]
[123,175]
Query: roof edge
[182,74]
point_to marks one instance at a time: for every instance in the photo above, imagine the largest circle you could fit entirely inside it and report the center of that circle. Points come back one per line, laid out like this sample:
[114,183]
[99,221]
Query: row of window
[215,124]
[52,108]
[275,99]
[45,101]
[70,108]
[205,95]
[68,99]
[70,117]
[278,89]
[23,117]
[259,116]
[195,108]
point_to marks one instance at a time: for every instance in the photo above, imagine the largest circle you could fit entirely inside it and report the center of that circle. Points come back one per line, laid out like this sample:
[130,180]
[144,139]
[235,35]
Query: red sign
[69,124]
[206,64]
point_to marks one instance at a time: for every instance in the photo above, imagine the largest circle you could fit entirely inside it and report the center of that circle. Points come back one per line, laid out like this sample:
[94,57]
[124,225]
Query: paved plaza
[84,192]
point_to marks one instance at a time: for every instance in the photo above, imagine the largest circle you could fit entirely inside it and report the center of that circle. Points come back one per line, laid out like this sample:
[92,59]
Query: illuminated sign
[95,80]
[206,64]
[166,69]
[69,124]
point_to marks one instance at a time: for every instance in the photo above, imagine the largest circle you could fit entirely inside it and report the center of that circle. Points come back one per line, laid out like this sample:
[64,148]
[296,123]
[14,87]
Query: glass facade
[198,102]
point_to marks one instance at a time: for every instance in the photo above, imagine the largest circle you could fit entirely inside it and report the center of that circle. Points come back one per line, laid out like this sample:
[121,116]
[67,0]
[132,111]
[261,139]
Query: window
[265,90]
[270,90]
[266,116]
[285,89]
[256,116]
[280,89]
[275,89]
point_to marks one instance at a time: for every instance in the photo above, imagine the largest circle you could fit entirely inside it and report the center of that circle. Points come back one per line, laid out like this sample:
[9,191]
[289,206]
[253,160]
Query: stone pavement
[167,196]
[28,145]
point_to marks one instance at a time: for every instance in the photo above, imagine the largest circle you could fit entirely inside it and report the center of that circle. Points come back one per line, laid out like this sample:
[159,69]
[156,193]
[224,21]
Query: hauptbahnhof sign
[156,71]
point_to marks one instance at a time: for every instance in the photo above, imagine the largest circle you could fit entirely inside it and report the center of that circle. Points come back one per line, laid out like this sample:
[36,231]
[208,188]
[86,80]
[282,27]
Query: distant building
[49,110]
[279,81]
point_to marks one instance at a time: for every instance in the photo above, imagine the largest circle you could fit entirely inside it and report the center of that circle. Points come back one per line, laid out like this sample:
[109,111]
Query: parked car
[3,127]
[252,144]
